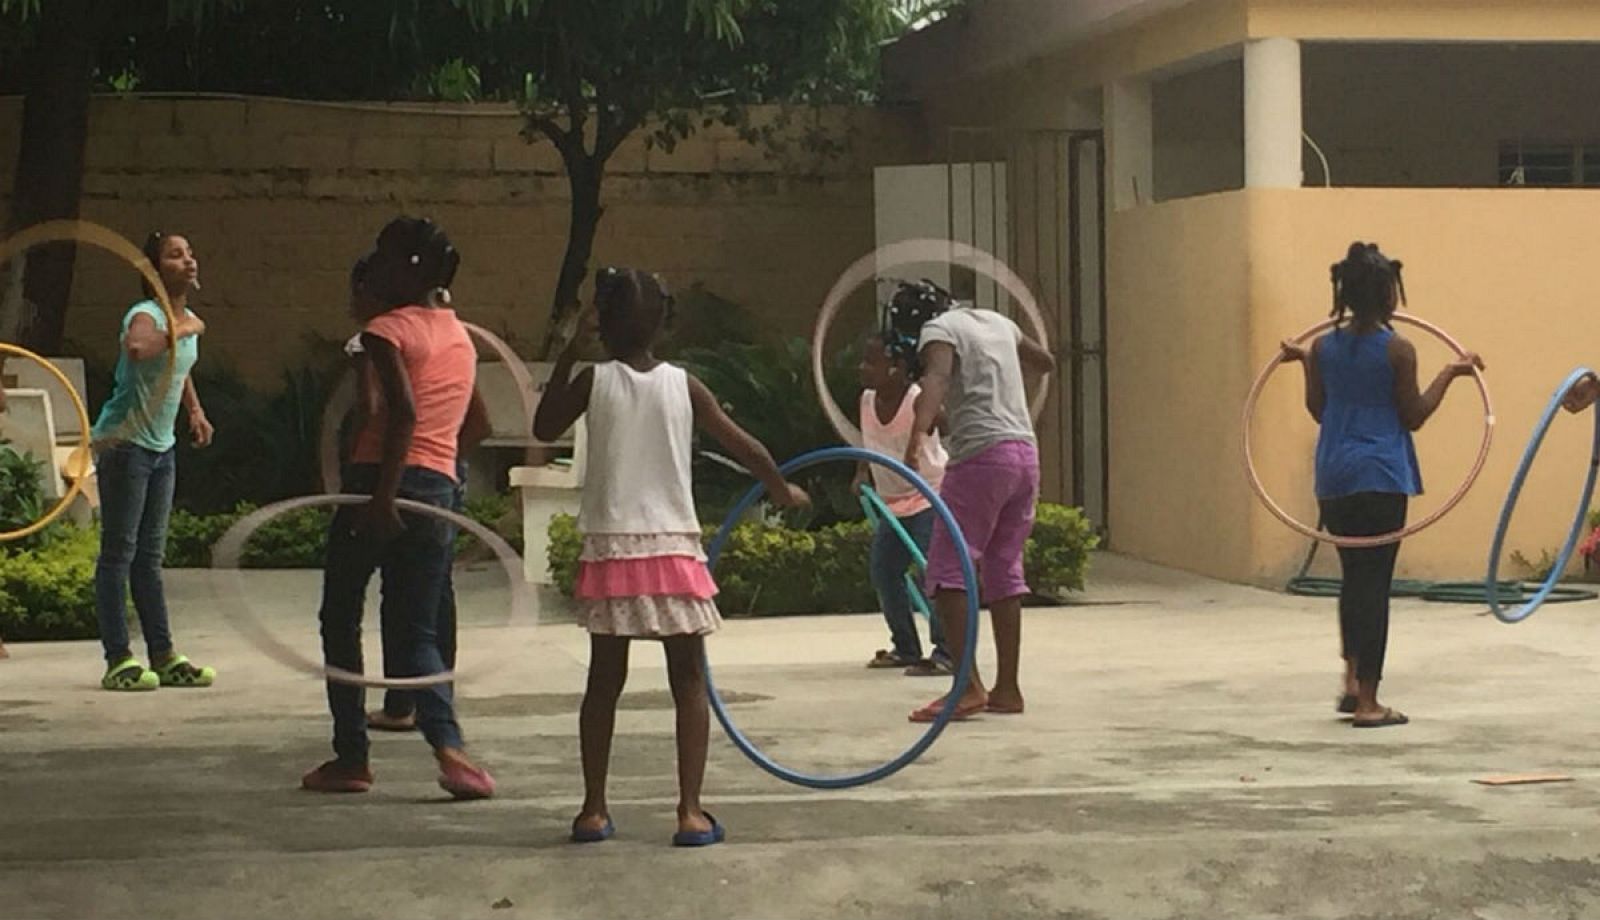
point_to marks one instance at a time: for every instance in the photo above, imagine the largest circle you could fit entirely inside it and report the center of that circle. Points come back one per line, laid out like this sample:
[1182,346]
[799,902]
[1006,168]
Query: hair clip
[416,259]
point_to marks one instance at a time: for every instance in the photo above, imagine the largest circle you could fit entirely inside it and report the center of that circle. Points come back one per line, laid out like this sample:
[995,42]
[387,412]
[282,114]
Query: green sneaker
[128,675]
[180,672]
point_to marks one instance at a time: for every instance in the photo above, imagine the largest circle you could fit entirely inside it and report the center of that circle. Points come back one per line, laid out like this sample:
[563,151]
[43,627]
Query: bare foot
[590,822]
[1006,702]
[692,821]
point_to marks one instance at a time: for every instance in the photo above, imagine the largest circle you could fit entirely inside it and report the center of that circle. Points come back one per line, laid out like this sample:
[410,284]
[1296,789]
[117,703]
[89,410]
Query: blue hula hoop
[1565,557]
[878,515]
[969,576]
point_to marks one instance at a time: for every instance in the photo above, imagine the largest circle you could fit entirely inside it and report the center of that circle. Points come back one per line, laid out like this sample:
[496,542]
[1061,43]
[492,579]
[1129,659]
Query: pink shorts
[992,496]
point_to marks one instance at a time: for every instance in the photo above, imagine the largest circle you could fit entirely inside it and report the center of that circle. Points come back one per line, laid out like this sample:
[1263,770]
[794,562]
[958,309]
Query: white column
[1272,114]
[1130,143]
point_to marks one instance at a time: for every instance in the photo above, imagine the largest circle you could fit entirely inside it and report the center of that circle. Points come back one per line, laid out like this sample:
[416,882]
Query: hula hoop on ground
[1565,556]
[879,515]
[78,461]
[93,234]
[963,668]
[912,252]
[1380,539]
[343,398]
[226,571]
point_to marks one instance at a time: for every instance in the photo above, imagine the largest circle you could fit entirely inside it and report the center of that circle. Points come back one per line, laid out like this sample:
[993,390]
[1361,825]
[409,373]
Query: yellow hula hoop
[77,463]
[93,234]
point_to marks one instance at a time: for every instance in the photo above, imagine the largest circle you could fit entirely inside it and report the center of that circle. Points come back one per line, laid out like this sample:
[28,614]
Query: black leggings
[1368,574]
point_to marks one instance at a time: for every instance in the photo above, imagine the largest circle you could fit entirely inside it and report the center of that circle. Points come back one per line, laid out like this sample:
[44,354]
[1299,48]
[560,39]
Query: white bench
[60,415]
[29,424]
[548,490]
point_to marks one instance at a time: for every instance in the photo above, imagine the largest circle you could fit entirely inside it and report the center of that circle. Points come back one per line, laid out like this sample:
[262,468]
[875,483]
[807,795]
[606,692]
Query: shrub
[768,569]
[48,591]
[22,498]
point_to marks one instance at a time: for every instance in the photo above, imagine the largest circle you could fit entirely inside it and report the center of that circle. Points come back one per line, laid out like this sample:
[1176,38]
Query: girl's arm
[475,427]
[1416,406]
[938,363]
[749,452]
[1034,357]
[145,340]
[199,426]
[565,398]
[1316,397]
[381,519]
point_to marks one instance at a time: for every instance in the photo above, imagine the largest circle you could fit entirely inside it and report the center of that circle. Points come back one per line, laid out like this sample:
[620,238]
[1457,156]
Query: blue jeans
[398,703]
[414,566]
[889,561]
[135,505]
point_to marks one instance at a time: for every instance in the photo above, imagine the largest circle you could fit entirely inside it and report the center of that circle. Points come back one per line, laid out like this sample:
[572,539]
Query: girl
[398,713]
[1361,387]
[424,366]
[970,363]
[134,440]
[888,405]
[643,573]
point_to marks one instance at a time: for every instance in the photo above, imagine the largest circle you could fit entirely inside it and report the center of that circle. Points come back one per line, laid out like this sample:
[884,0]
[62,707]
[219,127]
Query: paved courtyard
[1180,758]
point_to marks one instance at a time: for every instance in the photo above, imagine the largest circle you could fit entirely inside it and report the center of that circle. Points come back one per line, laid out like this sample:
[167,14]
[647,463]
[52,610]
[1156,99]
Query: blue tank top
[1363,447]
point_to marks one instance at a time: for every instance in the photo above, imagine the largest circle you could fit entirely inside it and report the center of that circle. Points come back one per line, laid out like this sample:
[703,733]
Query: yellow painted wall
[1467,20]
[1512,274]
[1177,326]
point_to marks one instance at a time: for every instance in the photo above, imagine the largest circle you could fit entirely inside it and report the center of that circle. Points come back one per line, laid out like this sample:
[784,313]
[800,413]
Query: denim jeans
[135,504]
[889,561]
[413,566]
[398,703]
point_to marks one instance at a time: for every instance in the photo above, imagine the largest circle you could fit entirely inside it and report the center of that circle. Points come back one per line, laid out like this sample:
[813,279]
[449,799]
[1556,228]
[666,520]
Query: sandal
[1347,704]
[931,667]
[884,659]
[1389,717]
[181,672]
[381,720]
[128,675]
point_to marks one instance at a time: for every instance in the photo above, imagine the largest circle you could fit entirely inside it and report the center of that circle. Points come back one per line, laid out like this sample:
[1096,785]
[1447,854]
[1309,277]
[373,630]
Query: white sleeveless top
[892,439]
[641,430]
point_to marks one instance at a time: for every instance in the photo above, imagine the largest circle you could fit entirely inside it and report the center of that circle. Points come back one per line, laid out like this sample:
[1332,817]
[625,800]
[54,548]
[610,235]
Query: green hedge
[768,569]
[47,591]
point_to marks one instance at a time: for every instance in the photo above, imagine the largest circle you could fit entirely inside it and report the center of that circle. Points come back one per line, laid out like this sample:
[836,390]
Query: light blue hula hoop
[879,515]
[1565,557]
[963,668]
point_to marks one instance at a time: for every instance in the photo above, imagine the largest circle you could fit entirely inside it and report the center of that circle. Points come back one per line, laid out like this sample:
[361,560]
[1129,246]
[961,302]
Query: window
[1550,165]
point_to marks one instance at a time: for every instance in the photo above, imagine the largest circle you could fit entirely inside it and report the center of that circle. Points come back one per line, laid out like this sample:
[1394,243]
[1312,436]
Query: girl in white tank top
[642,573]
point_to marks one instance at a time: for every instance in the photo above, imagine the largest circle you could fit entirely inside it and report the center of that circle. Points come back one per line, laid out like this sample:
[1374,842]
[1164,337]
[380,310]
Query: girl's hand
[378,521]
[913,457]
[200,427]
[1582,395]
[792,497]
[1292,352]
[1465,366]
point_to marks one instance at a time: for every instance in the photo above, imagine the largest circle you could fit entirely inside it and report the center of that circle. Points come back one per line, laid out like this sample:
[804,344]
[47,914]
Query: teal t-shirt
[132,413]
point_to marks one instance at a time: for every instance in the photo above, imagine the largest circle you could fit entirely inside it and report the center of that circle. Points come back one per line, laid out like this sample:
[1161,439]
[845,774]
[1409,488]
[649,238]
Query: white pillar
[1272,114]
[1130,143]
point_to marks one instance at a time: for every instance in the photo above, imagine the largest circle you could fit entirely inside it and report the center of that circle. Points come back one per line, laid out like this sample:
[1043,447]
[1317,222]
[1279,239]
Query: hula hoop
[1517,481]
[93,234]
[343,398]
[911,252]
[1381,539]
[963,669]
[78,461]
[226,571]
[879,515]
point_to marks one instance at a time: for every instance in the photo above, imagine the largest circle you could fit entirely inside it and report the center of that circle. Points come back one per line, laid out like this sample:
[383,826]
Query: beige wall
[1466,20]
[280,197]
[1179,315]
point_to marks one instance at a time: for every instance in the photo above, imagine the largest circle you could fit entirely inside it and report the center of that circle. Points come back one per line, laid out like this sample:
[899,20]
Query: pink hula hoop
[911,252]
[1381,539]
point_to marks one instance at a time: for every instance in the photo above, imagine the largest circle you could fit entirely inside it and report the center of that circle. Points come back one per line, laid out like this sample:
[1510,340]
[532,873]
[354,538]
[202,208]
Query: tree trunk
[49,178]
[584,177]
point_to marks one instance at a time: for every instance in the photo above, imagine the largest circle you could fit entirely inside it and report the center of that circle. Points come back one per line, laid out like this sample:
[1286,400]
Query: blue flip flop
[588,836]
[717,834]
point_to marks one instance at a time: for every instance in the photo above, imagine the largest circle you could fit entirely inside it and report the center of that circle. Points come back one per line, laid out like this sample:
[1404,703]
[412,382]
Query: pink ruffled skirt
[646,586]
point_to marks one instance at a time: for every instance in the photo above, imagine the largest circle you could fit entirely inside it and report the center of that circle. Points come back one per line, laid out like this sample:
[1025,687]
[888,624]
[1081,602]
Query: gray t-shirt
[988,402]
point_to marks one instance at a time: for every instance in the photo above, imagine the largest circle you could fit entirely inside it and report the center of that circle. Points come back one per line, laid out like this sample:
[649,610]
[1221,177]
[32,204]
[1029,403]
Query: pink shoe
[465,781]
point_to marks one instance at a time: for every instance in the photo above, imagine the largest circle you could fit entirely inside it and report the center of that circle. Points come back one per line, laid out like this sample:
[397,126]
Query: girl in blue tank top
[1361,387]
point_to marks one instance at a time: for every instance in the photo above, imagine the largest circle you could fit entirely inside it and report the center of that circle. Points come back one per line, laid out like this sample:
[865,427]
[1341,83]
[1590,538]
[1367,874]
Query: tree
[588,81]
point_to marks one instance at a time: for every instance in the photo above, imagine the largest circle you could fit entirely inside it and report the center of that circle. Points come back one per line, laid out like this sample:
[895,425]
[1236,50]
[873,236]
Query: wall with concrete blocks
[279,197]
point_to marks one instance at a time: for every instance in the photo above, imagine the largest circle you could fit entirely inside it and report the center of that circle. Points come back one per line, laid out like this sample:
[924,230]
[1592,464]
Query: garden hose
[1440,592]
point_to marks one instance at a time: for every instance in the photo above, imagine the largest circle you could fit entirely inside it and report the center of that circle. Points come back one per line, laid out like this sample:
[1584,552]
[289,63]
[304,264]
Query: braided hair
[913,306]
[632,306]
[1366,284]
[426,258]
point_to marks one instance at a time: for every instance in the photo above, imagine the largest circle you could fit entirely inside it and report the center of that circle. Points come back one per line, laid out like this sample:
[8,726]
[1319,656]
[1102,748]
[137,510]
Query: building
[1176,177]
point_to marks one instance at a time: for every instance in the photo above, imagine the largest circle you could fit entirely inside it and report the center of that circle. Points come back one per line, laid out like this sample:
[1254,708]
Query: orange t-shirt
[440,360]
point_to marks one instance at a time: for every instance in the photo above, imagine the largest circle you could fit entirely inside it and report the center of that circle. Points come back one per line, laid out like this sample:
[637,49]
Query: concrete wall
[279,197]
[1199,131]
